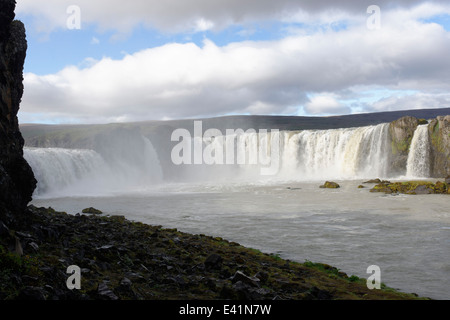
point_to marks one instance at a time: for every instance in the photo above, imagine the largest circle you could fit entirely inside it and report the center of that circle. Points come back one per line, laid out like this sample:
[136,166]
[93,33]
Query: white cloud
[326,104]
[186,80]
[176,15]
[203,25]
[412,101]
[95,40]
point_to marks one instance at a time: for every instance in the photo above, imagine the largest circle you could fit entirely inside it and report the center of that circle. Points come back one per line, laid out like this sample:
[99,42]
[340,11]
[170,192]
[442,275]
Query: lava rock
[214,261]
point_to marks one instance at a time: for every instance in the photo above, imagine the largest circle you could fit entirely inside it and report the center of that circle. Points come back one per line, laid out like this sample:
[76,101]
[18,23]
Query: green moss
[330,185]
[410,187]
[400,147]
[12,264]
[423,121]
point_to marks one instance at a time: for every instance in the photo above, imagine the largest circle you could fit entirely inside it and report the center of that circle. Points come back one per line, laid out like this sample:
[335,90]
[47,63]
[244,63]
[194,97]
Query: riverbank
[125,260]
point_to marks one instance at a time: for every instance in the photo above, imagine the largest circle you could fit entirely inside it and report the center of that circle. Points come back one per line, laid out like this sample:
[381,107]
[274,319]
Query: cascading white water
[339,153]
[419,154]
[306,155]
[56,169]
[68,172]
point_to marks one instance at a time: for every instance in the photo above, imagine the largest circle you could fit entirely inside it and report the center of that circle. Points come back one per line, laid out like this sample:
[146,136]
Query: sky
[104,61]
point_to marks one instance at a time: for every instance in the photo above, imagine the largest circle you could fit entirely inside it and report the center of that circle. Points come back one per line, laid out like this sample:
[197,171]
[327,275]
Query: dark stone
[3,229]
[318,294]
[17,182]
[105,292]
[240,276]
[32,293]
[262,276]
[214,261]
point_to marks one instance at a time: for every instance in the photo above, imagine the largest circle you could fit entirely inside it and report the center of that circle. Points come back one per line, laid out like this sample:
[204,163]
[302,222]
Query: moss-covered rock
[412,187]
[439,132]
[401,133]
[422,122]
[330,185]
[91,210]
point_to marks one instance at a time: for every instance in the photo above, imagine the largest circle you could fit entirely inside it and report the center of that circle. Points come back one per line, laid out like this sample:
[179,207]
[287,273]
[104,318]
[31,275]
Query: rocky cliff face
[401,134]
[17,181]
[439,132]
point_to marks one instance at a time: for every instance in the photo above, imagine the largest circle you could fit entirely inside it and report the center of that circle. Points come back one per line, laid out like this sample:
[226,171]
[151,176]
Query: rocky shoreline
[126,260]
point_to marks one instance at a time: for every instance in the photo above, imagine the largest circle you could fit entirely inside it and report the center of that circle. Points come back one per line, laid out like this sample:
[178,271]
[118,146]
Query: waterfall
[266,155]
[339,153]
[70,172]
[56,169]
[306,155]
[419,154]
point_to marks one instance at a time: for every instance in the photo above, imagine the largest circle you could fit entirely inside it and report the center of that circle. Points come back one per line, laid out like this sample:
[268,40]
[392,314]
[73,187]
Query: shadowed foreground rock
[17,181]
[124,260]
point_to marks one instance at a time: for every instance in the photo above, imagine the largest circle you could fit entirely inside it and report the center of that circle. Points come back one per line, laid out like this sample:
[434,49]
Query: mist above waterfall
[119,168]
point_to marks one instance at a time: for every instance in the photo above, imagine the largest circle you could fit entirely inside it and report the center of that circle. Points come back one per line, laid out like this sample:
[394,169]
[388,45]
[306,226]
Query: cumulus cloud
[253,77]
[417,100]
[326,104]
[175,15]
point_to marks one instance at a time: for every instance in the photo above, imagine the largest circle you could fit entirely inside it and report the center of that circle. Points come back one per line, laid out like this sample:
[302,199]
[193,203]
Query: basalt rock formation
[439,132]
[17,181]
[401,134]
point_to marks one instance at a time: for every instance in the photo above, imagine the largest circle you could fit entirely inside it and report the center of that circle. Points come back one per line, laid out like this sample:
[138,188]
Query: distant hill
[308,123]
[123,139]
[246,122]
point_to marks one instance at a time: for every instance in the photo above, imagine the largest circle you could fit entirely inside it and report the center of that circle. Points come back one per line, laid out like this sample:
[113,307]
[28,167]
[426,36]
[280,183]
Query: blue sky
[200,58]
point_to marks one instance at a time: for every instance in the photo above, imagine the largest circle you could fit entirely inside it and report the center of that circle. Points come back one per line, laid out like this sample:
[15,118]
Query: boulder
[377,180]
[242,277]
[105,293]
[91,210]
[213,261]
[330,185]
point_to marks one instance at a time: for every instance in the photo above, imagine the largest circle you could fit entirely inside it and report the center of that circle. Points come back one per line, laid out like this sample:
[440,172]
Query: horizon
[96,63]
[243,116]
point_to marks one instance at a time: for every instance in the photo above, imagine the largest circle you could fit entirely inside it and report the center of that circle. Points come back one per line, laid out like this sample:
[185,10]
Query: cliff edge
[17,181]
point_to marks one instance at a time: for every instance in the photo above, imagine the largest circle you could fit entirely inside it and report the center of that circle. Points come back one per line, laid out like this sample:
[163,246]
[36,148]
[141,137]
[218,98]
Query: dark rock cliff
[17,181]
